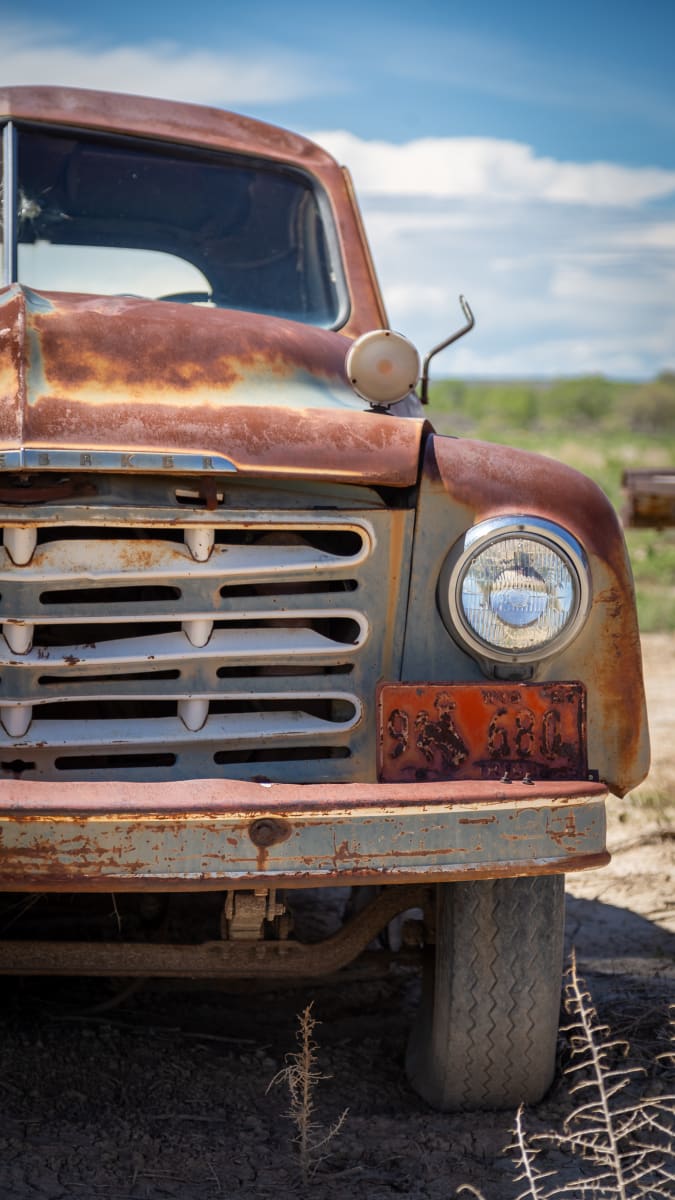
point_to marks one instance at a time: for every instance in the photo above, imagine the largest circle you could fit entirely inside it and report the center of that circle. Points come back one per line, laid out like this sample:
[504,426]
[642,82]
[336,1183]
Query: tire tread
[486,1033]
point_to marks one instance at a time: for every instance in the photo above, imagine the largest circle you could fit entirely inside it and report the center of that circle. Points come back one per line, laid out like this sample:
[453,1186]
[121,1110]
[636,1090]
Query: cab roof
[166,119]
[216,129]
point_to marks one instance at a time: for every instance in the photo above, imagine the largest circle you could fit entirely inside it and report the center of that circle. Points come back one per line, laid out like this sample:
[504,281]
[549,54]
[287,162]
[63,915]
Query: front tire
[486,1032]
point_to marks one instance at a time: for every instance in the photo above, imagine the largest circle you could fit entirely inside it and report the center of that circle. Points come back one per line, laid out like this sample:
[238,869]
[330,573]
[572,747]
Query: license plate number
[482,731]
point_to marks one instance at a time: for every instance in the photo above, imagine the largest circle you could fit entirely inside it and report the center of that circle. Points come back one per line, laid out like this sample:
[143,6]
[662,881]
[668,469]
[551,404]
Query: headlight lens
[516,588]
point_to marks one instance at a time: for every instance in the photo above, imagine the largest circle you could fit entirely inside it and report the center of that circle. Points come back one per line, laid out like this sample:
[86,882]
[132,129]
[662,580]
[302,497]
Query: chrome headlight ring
[515,589]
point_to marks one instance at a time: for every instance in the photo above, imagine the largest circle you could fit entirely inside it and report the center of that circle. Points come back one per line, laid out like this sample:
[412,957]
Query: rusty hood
[131,376]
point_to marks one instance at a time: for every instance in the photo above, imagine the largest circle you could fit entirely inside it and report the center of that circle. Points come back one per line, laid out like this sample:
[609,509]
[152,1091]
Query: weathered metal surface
[189,124]
[86,837]
[649,498]
[482,731]
[465,482]
[12,365]
[169,121]
[245,914]
[254,799]
[257,637]
[17,490]
[124,385]
[135,376]
[234,959]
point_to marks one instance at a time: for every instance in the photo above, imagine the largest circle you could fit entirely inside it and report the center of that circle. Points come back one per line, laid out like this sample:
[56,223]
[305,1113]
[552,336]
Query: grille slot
[153,648]
[108,762]
[109,596]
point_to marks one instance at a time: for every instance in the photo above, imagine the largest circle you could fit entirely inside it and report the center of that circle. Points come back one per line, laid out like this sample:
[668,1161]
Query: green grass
[596,425]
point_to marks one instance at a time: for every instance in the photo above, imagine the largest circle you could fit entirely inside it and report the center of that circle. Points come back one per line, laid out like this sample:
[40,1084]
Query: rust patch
[344,853]
[502,732]
[130,375]
[562,828]
[32,489]
[477,820]
[23,882]
[164,119]
[491,480]
[12,374]
[269,831]
[132,343]
[36,801]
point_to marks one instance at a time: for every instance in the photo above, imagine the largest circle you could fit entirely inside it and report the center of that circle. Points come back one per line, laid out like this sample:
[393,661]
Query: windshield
[118,217]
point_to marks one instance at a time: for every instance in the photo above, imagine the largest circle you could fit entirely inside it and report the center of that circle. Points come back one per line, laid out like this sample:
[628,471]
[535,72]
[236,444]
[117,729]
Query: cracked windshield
[113,217]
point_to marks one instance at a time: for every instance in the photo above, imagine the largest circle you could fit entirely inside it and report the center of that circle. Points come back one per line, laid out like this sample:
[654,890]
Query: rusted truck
[266,633]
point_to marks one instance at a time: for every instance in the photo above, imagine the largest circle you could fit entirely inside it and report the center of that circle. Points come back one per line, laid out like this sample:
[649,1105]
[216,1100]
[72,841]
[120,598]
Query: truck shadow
[599,931]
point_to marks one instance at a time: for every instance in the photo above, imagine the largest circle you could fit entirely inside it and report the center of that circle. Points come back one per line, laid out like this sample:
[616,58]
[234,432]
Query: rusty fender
[210,834]
[483,480]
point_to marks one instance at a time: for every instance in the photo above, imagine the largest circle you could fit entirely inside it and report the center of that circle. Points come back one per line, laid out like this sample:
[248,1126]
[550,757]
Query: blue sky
[521,153]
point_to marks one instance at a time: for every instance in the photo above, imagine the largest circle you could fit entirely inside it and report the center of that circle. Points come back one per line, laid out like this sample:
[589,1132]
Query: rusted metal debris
[649,498]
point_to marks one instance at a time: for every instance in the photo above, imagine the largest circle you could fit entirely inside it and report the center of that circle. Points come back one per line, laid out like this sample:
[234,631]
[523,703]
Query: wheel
[486,1031]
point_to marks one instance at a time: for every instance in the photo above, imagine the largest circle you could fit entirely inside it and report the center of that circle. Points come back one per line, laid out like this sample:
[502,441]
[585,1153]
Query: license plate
[482,731]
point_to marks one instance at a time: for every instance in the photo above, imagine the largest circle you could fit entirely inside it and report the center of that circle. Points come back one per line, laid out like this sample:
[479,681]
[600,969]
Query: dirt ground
[166,1094]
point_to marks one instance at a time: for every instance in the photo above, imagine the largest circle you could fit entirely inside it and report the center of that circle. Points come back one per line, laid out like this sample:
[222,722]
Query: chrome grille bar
[238,729]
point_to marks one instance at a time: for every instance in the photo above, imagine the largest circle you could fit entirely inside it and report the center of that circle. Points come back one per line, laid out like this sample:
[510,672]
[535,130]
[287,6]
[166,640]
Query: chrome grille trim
[74,564]
[237,730]
[231,647]
[31,459]
[253,638]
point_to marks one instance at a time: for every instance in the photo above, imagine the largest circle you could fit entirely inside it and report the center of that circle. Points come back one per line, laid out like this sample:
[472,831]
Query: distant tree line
[588,401]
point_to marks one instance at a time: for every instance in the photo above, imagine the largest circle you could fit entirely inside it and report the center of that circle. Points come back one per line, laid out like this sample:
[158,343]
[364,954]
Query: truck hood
[134,377]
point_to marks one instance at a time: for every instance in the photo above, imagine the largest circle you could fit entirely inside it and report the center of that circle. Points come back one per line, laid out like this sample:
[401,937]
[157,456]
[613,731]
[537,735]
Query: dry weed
[301,1076]
[616,1145]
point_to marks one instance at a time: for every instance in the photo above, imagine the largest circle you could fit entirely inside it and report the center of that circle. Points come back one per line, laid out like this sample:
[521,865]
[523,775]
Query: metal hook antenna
[470,322]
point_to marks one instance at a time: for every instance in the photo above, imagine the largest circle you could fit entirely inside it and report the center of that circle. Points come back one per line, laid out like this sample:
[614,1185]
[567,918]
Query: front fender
[464,482]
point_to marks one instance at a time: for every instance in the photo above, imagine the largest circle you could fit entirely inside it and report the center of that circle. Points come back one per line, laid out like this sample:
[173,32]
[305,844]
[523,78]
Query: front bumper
[218,834]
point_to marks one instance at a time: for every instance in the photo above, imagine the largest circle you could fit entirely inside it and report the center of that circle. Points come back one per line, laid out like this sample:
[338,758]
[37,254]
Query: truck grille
[164,641]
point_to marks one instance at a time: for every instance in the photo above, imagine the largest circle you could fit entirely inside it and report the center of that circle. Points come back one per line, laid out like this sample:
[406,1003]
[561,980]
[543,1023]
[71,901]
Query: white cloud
[463,167]
[657,236]
[568,266]
[611,285]
[556,288]
[161,68]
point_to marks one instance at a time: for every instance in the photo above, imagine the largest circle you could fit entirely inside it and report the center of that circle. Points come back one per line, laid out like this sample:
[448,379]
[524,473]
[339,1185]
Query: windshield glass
[112,216]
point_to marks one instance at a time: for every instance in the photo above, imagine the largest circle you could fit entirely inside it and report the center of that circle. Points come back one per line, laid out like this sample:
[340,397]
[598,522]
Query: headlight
[515,589]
